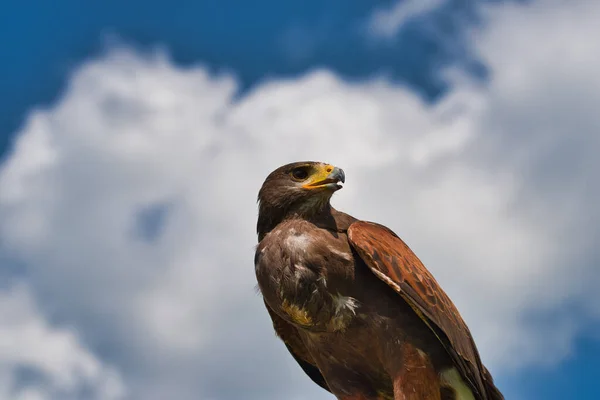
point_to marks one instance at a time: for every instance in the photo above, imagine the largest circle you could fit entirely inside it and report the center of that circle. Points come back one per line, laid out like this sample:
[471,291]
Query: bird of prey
[353,304]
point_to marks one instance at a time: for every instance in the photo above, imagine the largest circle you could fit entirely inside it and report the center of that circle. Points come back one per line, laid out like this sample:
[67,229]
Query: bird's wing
[289,335]
[395,263]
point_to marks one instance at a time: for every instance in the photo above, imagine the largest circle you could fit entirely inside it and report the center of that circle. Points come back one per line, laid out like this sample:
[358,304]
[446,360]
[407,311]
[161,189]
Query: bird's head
[299,189]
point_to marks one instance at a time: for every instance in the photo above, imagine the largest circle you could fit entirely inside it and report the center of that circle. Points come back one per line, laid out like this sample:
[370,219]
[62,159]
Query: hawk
[353,304]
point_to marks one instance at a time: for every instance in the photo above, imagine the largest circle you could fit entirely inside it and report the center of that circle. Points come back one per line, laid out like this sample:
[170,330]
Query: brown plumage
[354,305]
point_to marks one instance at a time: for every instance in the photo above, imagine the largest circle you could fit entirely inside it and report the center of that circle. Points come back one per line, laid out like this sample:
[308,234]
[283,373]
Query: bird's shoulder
[305,239]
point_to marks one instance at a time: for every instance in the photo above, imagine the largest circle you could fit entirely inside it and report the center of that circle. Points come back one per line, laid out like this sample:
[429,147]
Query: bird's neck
[270,217]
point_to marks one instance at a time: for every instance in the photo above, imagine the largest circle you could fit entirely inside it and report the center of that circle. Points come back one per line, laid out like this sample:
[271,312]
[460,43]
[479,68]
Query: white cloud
[493,188]
[62,367]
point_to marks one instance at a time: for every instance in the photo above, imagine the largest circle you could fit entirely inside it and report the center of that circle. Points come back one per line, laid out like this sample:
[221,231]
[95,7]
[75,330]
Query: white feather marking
[299,242]
[342,254]
[323,281]
[298,270]
[451,378]
[344,303]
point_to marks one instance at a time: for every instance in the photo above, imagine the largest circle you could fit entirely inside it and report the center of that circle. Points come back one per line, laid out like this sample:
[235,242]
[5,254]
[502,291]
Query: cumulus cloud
[131,201]
[38,361]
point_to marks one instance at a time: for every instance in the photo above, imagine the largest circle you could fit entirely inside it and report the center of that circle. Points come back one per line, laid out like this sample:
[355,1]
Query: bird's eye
[299,174]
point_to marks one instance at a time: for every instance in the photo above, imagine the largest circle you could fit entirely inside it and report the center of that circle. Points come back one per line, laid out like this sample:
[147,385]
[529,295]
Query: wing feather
[289,335]
[394,262]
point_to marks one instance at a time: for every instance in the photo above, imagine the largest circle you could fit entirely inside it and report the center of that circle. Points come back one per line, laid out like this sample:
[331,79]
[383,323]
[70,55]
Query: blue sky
[256,41]
[118,109]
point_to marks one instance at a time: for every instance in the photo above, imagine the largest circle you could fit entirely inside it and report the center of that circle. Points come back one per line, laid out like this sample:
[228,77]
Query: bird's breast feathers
[299,268]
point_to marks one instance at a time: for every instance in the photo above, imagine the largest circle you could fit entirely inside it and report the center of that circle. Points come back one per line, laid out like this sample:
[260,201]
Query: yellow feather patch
[297,314]
[452,379]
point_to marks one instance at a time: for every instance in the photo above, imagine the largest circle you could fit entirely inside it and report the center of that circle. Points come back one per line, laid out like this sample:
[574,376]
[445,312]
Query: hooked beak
[330,177]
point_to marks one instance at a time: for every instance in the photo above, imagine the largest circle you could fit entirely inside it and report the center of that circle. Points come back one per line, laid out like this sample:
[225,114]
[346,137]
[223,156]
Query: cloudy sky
[134,138]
